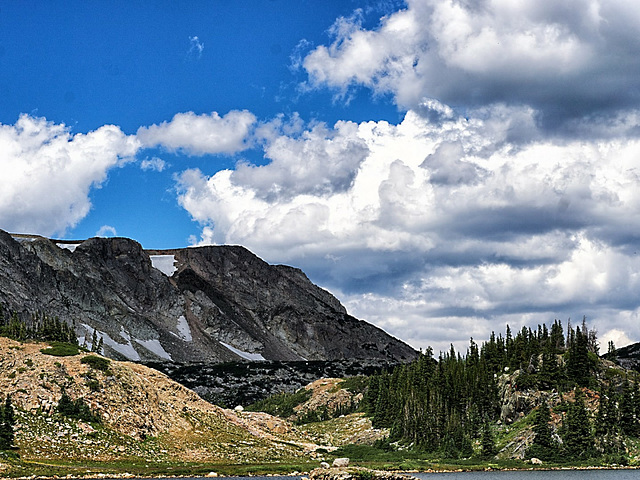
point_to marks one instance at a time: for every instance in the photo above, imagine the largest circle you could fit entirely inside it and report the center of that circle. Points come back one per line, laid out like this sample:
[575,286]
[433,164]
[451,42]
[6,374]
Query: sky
[444,167]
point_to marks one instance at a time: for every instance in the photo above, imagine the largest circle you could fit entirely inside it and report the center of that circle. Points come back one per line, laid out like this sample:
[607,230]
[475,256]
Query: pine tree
[627,410]
[544,446]
[577,436]
[7,425]
[94,341]
[487,442]
[607,426]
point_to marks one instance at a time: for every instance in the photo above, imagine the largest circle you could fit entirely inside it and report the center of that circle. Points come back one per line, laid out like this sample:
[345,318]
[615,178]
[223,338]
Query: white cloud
[155,164]
[48,172]
[331,160]
[201,134]
[196,47]
[445,228]
[529,52]
[106,231]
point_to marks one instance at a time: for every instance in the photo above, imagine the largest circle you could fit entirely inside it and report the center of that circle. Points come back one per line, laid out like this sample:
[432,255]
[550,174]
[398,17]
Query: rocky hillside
[243,383]
[143,414]
[208,304]
[144,419]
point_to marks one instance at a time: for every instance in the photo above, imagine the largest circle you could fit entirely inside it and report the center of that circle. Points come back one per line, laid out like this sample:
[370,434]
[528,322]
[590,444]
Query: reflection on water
[493,475]
[535,475]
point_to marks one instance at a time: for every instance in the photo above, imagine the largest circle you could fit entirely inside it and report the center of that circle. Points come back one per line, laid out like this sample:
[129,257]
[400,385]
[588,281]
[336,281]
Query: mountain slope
[144,415]
[208,304]
[628,357]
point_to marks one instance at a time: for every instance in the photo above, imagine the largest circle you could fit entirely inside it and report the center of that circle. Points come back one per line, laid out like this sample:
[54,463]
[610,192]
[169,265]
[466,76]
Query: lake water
[535,475]
[504,475]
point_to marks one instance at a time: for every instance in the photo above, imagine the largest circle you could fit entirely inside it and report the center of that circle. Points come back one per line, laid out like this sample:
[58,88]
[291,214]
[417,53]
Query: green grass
[282,404]
[60,349]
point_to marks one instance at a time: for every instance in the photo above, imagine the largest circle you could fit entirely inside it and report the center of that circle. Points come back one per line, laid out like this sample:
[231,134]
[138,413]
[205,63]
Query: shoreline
[335,471]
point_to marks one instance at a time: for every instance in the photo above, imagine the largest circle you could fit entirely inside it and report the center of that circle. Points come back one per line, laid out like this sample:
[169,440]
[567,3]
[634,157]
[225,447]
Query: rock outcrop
[209,304]
[627,357]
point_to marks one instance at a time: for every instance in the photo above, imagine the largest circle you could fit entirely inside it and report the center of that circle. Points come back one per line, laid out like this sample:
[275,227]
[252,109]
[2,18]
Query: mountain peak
[210,303]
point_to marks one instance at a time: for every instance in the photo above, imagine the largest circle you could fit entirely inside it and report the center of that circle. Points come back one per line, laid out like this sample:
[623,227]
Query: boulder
[341,462]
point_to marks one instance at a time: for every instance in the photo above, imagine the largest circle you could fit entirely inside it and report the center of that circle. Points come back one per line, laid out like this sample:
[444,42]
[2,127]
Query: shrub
[97,363]
[355,384]
[76,409]
[282,404]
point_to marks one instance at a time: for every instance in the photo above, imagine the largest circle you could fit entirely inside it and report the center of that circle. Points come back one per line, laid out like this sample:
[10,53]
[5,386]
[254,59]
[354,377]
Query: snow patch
[69,246]
[164,263]
[24,239]
[245,355]
[126,349]
[155,347]
[184,332]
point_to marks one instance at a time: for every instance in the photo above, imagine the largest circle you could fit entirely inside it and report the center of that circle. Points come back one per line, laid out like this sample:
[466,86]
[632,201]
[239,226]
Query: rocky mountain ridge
[628,357]
[205,304]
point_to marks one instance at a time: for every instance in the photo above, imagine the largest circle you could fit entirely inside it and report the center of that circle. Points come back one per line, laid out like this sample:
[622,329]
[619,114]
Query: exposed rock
[340,462]
[208,304]
[355,474]
[536,461]
[244,383]
[627,357]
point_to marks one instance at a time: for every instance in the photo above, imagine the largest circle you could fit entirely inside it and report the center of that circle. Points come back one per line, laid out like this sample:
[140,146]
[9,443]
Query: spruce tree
[627,410]
[577,436]
[607,426]
[488,442]
[544,446]
[7,425]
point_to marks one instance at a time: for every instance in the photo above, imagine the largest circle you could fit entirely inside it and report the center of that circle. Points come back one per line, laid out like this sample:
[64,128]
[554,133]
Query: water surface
[534,475]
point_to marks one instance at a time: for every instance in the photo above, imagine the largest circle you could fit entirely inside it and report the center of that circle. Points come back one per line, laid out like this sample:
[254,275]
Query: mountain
[628,357]
[206,304]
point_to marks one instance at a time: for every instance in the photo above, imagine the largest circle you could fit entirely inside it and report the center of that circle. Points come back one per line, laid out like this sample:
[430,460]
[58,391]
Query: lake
[503,475]
[535,475]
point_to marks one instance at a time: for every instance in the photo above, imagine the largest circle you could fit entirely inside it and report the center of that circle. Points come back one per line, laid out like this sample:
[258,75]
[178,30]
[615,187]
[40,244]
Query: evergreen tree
[628,420]
[544,446]
[577,436]
[579,367]
[7,425]
[487,442]
[607,426]
[94,341]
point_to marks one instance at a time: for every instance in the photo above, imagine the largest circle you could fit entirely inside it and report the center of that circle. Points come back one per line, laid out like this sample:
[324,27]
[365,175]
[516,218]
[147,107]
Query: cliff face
[206,304]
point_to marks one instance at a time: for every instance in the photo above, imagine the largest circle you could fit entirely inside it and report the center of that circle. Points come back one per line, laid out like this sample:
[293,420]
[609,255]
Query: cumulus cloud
[201,134]
[48,172]
[320,161]
[444,228]
[567,59]
[155,164]
[106,231]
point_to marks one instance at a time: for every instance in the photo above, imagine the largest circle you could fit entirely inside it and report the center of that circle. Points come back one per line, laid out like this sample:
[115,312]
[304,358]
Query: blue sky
[444,167]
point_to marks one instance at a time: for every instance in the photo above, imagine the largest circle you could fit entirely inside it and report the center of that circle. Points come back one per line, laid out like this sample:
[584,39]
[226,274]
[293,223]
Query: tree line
[444,405]
[39,326]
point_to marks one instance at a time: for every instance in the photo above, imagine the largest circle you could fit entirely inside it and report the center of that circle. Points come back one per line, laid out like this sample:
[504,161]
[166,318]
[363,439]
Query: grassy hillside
[140,421]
